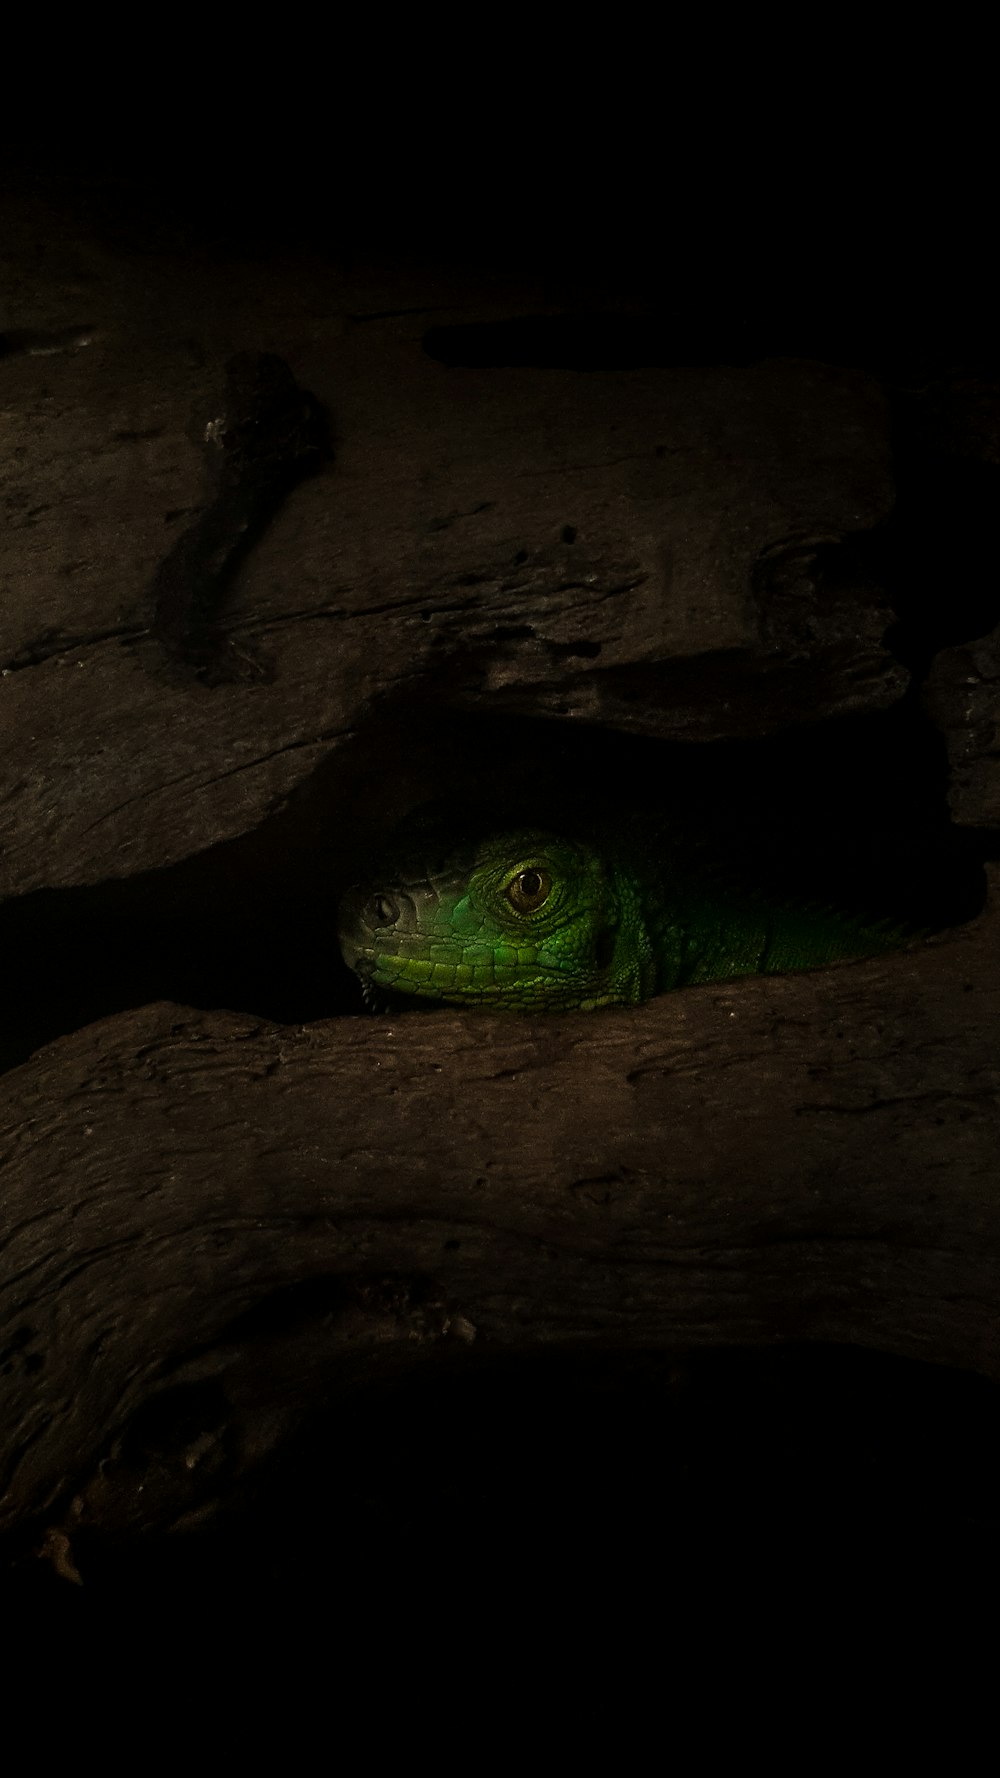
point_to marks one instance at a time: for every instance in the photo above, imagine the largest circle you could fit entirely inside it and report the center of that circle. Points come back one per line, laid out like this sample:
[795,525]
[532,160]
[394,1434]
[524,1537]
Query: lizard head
[522,919]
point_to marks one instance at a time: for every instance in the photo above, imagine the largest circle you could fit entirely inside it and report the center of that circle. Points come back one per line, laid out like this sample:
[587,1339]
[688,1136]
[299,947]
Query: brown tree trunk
[808,1158]
[545,533]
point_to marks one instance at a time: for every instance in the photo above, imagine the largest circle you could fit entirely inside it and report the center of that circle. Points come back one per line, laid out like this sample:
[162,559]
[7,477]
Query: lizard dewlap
[537,921]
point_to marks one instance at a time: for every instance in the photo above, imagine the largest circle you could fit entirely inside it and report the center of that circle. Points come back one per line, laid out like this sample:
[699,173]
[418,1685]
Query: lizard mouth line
[382,973]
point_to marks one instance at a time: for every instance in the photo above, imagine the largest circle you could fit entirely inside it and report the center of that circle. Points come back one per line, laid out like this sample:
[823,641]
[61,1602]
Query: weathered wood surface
[962,696]
[814,1157]
[274,1213]
[608,546]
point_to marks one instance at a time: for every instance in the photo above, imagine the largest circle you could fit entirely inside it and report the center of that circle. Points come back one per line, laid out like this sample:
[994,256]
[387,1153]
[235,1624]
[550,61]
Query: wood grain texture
[527,540]
[209,1222]
[962,696]
[810,1157]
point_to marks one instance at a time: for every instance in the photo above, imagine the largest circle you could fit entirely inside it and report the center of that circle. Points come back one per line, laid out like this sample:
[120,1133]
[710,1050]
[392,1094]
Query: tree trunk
[542,540]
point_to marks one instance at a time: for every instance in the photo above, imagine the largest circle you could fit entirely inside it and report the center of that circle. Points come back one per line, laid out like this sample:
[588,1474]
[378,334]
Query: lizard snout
[365,912]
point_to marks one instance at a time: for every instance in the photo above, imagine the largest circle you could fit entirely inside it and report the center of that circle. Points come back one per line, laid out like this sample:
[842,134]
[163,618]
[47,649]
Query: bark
[670,550]
[962,695]
[200,1199]
[212,1221]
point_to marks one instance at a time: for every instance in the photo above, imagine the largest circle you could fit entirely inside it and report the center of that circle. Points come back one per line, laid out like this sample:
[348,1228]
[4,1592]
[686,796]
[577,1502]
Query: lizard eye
[528,890]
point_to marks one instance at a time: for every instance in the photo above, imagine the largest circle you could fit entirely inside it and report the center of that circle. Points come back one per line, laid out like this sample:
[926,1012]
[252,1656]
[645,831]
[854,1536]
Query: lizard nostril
[382,911]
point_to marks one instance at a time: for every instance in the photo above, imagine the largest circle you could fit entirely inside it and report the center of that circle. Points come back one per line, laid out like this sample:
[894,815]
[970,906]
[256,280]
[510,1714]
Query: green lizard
[534,921]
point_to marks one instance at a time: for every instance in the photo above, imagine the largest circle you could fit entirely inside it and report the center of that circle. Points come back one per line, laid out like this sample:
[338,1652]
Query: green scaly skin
[537,922]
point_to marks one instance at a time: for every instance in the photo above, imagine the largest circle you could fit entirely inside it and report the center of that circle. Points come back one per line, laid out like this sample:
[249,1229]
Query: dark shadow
[559,1476]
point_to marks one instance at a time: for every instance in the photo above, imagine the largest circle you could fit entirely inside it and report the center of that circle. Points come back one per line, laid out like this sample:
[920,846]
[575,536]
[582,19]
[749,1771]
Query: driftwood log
[209,1205]
[809,1158]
